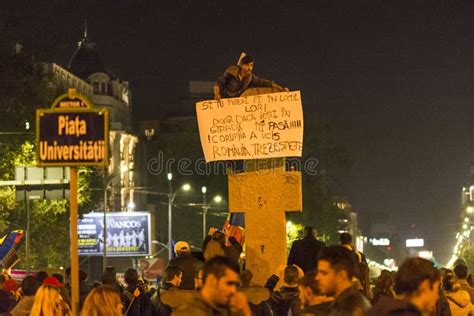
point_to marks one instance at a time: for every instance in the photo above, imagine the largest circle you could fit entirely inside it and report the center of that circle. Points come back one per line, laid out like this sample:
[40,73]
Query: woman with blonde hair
[102,301]
[48,301]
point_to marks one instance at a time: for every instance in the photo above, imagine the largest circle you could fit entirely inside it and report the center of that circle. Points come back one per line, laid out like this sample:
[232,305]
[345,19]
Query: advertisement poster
[128,234]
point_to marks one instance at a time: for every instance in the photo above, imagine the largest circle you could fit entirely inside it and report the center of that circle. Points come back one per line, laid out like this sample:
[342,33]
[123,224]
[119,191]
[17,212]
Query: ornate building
[87,74]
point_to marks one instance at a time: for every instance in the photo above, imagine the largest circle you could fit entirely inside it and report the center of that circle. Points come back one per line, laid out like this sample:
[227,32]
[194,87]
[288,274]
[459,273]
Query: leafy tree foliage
[25,87]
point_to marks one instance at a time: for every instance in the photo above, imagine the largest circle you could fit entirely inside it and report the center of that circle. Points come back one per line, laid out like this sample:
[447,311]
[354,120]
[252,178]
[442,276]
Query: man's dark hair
[217,266]
[412,273]
[131,276]
[461,271]
[29,285]
[2,279]
[309,281]
[111,269]
[345,238]
[246,277]
[246,60]
[41,276]
[309,230]
[82,276]
[291,275]
[58,277]
[108,278]
[340,258]
[171,272]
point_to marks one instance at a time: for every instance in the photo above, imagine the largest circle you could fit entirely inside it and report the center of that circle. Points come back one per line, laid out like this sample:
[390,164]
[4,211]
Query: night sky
[393,80]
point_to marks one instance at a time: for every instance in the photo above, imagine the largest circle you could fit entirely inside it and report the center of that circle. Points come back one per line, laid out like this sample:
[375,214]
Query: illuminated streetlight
[171,197]
[205,208]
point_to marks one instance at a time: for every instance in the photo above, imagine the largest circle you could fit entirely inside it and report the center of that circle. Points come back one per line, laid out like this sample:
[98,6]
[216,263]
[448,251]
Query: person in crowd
[110,278]
[383,286]
[29,286]
[304,252]
[41,276]
[470,279]
[198,279]
[233,250]
[213,249]
[218,296]
[187,263]
[63,290]
[136,302]
[458,299]
[361,276]
[417,285]
[7,301]
[442,305]
[461,273]
[11,286]
[261,308]
[285,299]
[336,268]
[313,302]
[102,301]
[48,300]
[84,286]
[171,281]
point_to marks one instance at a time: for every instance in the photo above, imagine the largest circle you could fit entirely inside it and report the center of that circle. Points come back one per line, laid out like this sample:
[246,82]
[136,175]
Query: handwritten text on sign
[253,127]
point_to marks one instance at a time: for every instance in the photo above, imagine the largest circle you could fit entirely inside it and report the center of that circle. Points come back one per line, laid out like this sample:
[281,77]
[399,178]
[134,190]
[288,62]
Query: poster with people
[128,234]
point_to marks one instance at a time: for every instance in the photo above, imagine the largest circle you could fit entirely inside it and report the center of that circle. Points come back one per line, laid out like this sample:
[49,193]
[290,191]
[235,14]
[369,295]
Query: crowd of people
[316,280]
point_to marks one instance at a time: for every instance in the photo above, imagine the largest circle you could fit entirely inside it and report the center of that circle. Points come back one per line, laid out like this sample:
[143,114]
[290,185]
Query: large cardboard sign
[128,234]
[72,133]
[253,127]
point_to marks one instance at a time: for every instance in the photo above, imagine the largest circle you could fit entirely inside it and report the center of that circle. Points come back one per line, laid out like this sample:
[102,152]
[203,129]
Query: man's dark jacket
[388,306]
[305,252]
[231,86]
[284,300]
[189,265]
[157,306]
[350,302]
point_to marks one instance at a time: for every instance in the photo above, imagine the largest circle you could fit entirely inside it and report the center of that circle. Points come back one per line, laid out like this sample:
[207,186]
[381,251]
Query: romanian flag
[234,226]
[8,245]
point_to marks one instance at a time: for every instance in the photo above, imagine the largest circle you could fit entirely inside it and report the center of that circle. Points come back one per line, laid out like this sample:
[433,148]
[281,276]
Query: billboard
[414,243]
[128,234]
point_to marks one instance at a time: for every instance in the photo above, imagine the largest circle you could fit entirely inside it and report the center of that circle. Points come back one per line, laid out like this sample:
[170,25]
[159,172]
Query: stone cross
[265,194]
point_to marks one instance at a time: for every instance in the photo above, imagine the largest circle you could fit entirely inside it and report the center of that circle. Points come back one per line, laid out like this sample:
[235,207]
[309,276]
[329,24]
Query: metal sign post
[72,133]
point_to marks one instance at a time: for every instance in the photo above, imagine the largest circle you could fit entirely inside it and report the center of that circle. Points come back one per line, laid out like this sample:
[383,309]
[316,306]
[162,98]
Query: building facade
[87,74]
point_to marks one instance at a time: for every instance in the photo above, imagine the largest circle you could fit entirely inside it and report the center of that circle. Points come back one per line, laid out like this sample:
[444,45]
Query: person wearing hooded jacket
[459,300]
[285,299]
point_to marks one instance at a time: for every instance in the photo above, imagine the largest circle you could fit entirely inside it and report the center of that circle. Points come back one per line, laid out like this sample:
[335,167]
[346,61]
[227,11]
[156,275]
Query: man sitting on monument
[238,78]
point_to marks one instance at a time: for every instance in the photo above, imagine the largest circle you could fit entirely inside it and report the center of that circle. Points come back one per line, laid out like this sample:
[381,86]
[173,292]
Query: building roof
[86,60]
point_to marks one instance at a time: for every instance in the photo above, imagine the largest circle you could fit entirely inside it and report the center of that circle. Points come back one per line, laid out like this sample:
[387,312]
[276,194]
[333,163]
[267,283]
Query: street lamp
[171,197]
[205,208]
[107,182]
